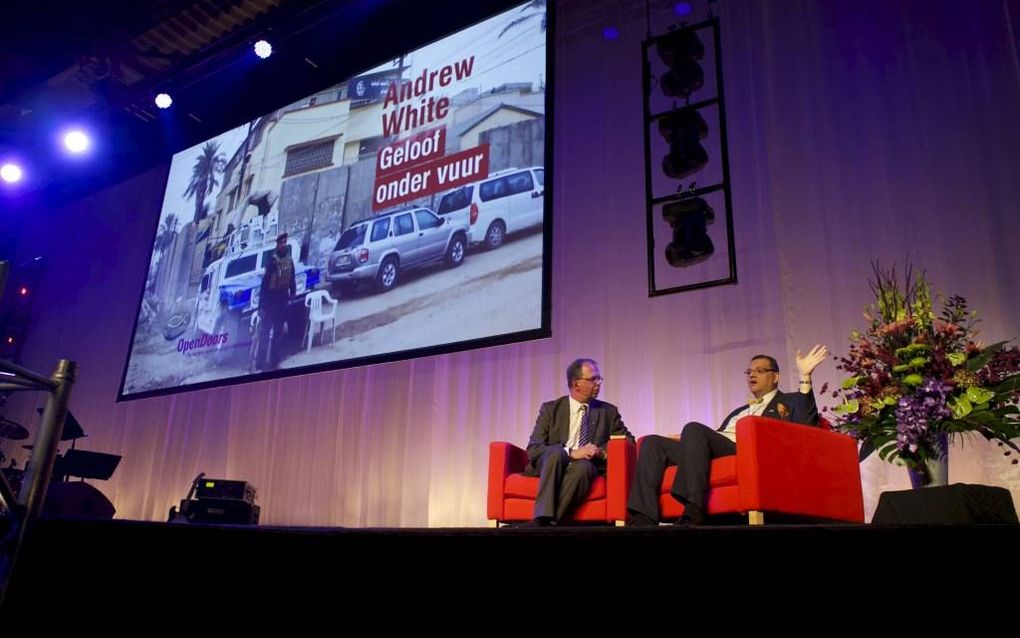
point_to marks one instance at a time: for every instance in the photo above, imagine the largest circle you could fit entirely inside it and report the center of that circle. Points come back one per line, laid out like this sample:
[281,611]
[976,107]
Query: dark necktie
[584,438]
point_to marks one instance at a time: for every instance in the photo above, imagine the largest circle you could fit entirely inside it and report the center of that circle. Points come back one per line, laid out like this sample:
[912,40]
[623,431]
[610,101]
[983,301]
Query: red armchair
[781,468]
[511,494]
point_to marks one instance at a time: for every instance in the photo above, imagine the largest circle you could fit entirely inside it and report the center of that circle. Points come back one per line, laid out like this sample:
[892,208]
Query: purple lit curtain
[858,131]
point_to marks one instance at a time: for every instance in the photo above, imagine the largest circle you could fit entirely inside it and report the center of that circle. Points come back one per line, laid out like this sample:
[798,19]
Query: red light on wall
[23,291]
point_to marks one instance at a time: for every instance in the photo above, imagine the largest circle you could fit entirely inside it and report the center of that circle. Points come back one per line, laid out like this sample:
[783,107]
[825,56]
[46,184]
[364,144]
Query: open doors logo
[186,346]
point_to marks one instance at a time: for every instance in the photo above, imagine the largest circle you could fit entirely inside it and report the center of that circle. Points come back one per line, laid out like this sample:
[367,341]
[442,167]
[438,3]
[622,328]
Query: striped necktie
[584,437]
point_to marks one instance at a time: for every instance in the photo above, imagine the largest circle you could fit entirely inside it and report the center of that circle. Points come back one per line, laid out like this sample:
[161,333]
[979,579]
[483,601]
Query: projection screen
[416,217]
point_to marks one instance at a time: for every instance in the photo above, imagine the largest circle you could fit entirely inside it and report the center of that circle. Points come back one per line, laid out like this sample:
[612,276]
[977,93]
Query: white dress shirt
[575,424]
[753,409]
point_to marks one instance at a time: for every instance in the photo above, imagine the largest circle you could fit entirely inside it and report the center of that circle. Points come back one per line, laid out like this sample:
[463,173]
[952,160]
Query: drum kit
[77,463]
[15,432]
[64,497]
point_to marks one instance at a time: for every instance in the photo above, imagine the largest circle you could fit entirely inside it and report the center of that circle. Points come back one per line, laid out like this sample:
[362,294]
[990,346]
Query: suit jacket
[552,428]
[800,408]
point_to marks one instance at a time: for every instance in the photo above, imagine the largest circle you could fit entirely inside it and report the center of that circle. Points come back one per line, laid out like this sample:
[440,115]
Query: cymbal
[12,430]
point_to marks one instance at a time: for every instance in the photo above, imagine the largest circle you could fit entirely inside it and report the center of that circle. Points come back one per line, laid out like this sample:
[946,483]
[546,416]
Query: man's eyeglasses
[758,371]
[592,379]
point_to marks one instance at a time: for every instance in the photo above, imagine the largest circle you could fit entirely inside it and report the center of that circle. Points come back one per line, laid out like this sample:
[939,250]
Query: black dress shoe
[640,520]
[541,521]
[686,520]
[693,515]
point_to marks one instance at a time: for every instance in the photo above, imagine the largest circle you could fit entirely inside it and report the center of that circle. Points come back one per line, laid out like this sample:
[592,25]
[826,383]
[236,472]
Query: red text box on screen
[439,175]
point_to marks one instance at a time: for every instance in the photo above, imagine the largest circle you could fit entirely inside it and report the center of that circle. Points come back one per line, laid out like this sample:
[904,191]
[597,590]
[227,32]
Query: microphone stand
[182,515]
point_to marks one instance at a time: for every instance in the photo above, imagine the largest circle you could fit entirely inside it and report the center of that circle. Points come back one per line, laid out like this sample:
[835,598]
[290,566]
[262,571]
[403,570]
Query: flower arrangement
[916,379]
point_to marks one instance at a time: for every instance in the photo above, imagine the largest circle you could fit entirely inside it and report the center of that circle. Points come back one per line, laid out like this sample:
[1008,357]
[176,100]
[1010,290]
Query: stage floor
[158,568]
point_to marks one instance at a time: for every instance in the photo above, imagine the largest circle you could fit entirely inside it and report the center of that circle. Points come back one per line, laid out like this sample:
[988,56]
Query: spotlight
[683,130]
[10,173]
[76,141]
[23,291]
[681,9]
[611,33]
[163,100]
[681,51]
[263,49]
[9,347]
[691,243]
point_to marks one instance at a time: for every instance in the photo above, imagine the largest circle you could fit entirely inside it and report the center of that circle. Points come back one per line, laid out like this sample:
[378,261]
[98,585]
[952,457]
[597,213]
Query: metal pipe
[48,384]
[44,453]
[38,474]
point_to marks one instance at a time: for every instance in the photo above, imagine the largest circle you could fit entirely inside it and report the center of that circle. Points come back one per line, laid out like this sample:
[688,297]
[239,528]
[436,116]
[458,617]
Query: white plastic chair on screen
[321,308]
[253,351]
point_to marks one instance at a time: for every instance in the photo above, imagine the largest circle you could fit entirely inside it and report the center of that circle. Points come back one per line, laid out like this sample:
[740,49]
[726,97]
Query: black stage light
[681,51]
[689,219]
[683,130]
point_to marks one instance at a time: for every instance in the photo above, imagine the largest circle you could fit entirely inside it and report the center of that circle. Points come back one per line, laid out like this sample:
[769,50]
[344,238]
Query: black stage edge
[263,573]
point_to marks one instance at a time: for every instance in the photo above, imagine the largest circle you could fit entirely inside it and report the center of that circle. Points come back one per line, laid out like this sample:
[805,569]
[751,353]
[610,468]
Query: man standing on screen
[278,286]
[699,444]
[567,449]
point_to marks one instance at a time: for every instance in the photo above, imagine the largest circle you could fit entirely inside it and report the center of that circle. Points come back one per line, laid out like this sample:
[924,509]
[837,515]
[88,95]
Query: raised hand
[807,364]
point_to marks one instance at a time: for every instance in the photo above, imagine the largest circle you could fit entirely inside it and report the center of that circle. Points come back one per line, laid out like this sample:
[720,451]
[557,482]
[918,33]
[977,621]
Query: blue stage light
[263,49]
[11,173]
[681,9]
[76,141]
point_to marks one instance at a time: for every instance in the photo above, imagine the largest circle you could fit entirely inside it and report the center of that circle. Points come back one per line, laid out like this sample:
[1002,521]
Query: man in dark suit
[567,449]
[699,444]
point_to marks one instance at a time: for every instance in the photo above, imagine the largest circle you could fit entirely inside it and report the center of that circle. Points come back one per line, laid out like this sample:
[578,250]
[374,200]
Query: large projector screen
[414,201]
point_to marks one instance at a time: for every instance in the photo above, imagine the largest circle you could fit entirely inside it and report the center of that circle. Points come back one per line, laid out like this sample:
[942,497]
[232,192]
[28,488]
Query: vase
[936,466]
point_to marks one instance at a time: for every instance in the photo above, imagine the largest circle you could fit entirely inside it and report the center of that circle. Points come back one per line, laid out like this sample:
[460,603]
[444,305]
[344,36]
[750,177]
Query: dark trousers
[692,455]
[273,314]
[562,483]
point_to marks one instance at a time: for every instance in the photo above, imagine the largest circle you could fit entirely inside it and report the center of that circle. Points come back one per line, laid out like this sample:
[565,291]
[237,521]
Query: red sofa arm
[504,459]
[621,462]
[798,469]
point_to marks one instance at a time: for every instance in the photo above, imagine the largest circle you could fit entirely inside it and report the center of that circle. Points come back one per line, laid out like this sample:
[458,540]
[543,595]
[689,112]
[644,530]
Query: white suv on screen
[505,202]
